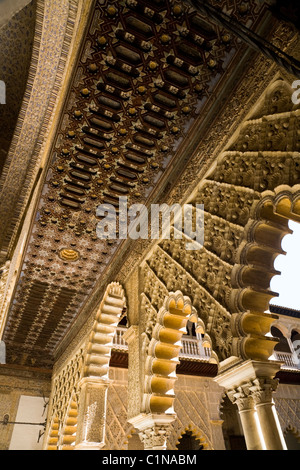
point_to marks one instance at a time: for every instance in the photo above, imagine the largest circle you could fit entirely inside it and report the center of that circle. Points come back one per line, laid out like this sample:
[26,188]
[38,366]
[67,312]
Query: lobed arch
[163,352]
[254,270]
[53,435]
[197,434]
[63,406]
[68,429]
[62,436]
[249,194]
[89,362]
[98,351]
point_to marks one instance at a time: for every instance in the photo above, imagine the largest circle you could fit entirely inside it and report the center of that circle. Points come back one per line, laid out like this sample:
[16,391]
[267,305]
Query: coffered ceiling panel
[146,71]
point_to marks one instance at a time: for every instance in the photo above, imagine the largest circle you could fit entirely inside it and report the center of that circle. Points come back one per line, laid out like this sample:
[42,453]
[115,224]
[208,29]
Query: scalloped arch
[197,434]
[252,275]
[100,341]
[163,352]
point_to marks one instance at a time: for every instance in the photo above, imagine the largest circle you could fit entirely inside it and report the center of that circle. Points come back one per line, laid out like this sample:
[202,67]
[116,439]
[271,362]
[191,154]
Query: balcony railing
[191,347]
[118,340]
[290,360]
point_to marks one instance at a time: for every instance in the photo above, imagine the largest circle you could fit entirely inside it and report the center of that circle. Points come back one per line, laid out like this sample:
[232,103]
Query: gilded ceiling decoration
[146,71]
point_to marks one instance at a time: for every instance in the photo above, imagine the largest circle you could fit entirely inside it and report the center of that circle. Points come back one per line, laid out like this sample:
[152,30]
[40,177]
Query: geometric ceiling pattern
[145,72]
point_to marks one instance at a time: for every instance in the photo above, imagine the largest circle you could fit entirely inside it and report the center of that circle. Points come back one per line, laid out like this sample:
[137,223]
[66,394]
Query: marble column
[262,392]
[249,419]
[250,385]
[92,414]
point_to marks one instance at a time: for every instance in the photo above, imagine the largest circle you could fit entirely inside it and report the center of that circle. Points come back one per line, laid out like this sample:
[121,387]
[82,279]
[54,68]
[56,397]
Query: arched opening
[189,442]
[295,339]
[283,345]
[287,283]
[253,277]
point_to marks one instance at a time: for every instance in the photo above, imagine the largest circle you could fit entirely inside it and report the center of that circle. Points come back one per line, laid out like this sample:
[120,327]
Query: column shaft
[249,420]
[270,427]
[262,391]
[251,430]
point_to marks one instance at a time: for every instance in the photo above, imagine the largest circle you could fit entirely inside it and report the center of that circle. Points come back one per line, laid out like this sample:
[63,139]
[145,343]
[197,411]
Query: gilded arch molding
[163,352]
[104,328]
[252,275]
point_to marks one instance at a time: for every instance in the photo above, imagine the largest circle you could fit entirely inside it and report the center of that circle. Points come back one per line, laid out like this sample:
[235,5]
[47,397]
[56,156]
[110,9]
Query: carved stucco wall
[196,404]
[287,403]
[244,223]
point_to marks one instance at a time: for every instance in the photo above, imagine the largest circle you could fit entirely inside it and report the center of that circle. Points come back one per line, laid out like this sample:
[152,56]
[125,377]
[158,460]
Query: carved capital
[155,437]
[262,390]
[131,334]
[153,429]
[241,397]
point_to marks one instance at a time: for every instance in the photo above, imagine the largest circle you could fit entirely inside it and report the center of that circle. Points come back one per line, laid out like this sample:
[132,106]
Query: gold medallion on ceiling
[69,255]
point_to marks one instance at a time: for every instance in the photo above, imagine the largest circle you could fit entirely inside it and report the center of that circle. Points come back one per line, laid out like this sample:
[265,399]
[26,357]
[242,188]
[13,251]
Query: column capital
[153,429]
[94,381]
[155,437]
[246,373]
[262,390]
[131,333]
[241,397]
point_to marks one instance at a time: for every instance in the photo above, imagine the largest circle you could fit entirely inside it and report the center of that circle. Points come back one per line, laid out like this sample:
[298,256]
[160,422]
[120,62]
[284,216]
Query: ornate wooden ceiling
[145,72]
